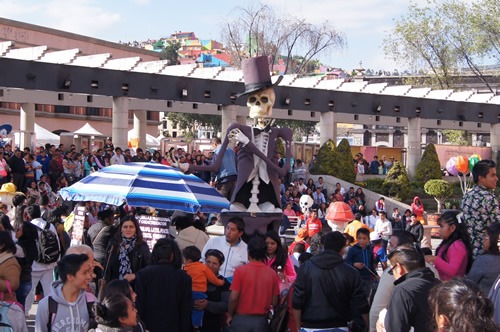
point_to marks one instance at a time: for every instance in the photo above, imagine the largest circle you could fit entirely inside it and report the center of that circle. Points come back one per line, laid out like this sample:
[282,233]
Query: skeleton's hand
[237,135]
[174,161]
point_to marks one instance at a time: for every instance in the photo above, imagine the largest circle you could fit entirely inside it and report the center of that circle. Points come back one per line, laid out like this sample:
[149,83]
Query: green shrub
[397,183]
[325,160]
[374,184]
[429,166]
[440,190]
[345,162]
[360,184]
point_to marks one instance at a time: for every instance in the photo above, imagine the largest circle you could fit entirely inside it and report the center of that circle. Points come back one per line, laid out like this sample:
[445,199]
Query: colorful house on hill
[211,45]
[212,60]
[182,37]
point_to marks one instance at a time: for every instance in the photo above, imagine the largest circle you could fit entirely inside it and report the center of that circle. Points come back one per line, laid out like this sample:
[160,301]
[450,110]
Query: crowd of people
[323,281]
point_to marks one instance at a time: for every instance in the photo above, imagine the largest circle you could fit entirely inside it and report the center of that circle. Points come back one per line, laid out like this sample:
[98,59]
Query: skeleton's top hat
[256,75]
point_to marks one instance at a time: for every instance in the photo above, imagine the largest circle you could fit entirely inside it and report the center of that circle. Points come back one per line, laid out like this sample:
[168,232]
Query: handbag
[279,320]
[101,283]
[11,293]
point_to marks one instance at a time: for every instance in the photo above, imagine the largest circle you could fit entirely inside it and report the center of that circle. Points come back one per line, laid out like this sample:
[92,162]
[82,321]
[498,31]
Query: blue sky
[364,22]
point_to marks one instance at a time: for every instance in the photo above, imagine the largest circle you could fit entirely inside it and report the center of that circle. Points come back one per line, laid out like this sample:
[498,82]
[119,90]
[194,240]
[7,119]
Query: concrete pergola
[35,75]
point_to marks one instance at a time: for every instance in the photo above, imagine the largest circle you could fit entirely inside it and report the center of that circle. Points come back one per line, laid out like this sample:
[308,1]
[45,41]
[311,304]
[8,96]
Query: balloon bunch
[461,166]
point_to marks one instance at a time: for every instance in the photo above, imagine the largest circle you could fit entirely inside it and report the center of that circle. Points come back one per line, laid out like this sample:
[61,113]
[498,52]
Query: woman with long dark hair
[486,267]
[129,252]
[454,254]
[26,253]
[278,260]
[459,305]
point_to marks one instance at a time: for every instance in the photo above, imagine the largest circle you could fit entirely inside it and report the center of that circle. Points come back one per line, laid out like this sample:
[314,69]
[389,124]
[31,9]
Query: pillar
[327,127]
[242,120]
[119,122]
[228,116]
[27,126]
[495,142]
[414,145]
[139,130]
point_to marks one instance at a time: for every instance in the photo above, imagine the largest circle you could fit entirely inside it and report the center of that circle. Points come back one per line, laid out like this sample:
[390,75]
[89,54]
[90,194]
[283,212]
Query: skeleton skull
[261,103]
[305,203]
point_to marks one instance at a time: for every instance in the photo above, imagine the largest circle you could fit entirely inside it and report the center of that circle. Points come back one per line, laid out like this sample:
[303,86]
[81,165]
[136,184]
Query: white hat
[374,236]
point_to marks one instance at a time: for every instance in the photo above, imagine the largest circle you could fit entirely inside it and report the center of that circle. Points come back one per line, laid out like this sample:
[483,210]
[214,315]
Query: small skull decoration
[261,103]
[305,203]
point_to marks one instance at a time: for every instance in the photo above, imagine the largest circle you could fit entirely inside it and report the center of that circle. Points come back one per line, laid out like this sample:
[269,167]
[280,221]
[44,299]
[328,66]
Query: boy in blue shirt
[361,257]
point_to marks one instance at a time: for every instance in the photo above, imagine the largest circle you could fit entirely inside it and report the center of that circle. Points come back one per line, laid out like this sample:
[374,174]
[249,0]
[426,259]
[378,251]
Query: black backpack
[48,246]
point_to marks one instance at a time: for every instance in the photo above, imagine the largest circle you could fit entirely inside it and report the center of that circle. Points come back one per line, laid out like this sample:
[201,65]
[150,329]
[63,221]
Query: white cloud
[141,2]
[80,16]
[84,17]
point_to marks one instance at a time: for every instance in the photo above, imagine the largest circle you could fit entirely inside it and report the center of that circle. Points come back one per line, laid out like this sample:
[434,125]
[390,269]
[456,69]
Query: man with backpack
[48,254]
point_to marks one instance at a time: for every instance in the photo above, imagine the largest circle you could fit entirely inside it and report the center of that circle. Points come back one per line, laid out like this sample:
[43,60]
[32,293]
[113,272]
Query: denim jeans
[197,315]
[22,292]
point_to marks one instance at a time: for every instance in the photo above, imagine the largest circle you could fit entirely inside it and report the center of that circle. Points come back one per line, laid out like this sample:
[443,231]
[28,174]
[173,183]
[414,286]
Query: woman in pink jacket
[278,260]
[454,254]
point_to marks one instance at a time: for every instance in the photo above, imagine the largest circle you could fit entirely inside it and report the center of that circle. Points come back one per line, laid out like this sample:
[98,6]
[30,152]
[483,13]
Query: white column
[27,126]
[327,127]
[495,142]
[139,131]
[119,122]
[228,116]
[414,145]
[242,120]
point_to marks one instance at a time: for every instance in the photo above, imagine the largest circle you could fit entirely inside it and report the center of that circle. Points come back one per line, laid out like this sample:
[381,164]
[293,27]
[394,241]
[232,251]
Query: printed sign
[153,228]
[77,232]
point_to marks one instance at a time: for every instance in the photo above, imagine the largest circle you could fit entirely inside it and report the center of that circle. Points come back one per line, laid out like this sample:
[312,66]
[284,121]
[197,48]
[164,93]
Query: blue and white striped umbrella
[147,185]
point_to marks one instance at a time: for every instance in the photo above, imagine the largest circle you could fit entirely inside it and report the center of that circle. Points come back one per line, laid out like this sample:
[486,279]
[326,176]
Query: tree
[299,128]
[429,166]
[188,121]
[417,39]
[171,53]
[440,37]
[458,137]
[258,31]
[325,159]
[465,25]
[440,190]
[397,183]
[345,162]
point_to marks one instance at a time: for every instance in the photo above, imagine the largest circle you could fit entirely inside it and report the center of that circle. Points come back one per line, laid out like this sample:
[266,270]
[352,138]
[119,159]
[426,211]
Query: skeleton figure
[257,184]
[264,179]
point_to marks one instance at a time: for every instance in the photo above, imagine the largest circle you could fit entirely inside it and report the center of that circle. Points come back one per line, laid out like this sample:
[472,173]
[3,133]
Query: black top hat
[256,75]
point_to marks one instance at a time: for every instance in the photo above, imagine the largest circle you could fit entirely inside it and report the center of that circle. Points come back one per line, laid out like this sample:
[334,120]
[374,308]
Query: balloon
[462,164]
[475,156]
[473,160]
[451,166]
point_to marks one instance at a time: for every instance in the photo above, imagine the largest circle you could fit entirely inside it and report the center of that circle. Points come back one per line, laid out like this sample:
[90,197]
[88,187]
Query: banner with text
[153,228]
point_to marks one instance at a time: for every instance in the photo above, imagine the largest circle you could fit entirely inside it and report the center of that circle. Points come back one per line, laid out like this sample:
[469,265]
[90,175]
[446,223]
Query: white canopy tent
[88,130]
[151,141]
[42,136]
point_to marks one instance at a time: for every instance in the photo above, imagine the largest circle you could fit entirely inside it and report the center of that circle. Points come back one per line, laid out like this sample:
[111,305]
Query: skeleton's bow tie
[257,131]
